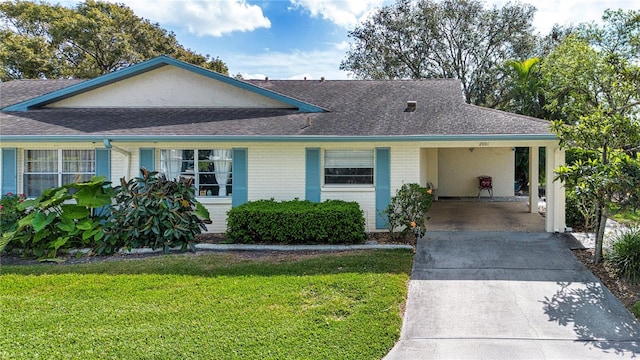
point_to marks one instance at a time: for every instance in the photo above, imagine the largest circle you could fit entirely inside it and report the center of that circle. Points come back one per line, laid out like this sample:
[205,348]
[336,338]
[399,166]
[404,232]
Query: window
[210,169]
[45,169]
[348,167]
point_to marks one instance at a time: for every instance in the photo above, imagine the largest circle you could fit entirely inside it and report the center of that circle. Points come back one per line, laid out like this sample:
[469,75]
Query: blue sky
[293,39]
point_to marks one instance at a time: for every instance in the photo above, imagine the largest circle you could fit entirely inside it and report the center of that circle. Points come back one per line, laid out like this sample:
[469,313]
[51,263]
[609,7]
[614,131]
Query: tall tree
[49,41]
[442,39]
[524,93]
[595,90]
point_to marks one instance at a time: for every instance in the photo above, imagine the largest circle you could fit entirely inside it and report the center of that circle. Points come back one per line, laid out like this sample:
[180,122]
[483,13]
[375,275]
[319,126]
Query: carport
[498,214]
[453,167]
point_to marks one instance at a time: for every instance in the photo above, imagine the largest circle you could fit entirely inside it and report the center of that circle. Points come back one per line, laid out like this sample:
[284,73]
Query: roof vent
[308,123]
[266,79]
[411,106]
[322,79]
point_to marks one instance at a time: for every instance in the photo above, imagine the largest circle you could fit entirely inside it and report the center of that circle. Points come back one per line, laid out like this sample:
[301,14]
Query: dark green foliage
[636,310]
[9,213]
[408,211]
[155,212]
[40,40]
[296,222]
[574,217]
[60,218]
[624,255]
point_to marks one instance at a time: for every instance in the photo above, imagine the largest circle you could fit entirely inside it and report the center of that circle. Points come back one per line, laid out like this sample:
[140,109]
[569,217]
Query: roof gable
[120,85]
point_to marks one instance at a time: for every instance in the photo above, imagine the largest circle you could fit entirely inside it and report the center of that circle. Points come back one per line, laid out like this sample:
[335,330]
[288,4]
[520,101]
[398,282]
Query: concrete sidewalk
[505,295]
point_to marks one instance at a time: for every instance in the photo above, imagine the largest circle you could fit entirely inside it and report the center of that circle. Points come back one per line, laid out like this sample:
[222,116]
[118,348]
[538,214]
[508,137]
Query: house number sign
[483,143]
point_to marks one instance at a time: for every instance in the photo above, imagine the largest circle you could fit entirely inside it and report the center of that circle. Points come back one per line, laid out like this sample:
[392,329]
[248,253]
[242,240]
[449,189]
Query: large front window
[210,169]
[348,167]
[45,169]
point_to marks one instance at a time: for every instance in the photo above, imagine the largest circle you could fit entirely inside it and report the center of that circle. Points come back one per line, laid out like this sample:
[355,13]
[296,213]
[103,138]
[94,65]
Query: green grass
[636,309]
[627,217]
[211,306]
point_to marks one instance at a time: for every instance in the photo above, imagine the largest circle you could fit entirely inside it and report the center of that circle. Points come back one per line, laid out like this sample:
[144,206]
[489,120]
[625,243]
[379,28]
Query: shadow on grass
[232,264]
[598,319]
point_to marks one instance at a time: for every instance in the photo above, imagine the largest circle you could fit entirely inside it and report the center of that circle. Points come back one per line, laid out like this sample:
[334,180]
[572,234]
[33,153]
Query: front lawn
[206,306]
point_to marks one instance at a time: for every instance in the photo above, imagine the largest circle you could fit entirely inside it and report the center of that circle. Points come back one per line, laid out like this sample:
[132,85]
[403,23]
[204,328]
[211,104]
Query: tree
[524,88]
[94,38]
[595,91]
[448,39]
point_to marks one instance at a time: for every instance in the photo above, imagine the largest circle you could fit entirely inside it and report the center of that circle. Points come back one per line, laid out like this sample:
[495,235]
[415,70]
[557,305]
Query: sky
[294,39]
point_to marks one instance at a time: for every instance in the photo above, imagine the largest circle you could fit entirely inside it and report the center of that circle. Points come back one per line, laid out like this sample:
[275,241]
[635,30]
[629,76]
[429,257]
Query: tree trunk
[602,224]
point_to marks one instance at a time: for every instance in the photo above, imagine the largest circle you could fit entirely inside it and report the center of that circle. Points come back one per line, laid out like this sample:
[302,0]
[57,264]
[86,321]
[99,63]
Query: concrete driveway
[507,295]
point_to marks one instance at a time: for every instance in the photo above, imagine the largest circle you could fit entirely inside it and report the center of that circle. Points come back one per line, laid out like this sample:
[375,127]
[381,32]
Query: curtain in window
[170,163]
[348,159]
[78,161]
[222,162]
[41,161]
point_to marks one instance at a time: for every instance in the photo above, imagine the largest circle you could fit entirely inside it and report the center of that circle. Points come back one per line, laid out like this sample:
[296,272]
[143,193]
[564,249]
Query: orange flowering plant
[407,212]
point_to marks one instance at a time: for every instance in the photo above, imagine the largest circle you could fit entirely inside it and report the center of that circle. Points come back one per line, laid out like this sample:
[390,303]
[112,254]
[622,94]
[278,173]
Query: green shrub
[636,309]
[407,211]
[296,222]
[9,212]
[574,217]
[60,218]
[624,254]
[155,212]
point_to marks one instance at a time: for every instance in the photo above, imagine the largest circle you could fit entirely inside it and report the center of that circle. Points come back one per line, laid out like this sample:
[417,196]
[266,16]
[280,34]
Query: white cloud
[200,17]
[296,64]
[345,13]
[567,12]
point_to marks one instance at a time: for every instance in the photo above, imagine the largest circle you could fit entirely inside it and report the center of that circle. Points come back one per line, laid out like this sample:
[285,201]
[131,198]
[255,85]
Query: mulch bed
[626,291]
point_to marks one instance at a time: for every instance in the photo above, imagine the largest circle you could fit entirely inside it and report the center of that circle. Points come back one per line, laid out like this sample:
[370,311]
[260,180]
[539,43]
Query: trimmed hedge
[296,222]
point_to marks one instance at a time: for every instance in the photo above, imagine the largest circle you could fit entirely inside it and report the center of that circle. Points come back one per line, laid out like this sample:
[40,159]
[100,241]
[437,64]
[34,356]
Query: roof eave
[277,138]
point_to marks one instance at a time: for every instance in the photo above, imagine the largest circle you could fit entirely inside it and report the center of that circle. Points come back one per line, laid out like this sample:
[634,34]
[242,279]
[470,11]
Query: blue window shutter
[9,171]
[312,175]
[239,194]
[148,159]
[383,185]
[103,163]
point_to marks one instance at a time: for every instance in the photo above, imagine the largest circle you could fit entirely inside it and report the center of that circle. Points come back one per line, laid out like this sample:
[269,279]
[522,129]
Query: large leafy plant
[62,217]
[155,212]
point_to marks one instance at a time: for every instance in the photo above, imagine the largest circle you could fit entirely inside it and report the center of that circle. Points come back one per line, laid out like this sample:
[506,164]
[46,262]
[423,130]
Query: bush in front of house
[624,254]
[407,211]
[151,211]
[573,216]
[60,218]
[9,212]
[296,222]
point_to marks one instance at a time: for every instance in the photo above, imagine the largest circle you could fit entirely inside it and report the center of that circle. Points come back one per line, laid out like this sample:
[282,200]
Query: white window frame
[59,171]
[344,158]
[218,157]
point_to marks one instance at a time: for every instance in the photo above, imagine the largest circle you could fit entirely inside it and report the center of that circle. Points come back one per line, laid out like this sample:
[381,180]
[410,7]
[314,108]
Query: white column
[534,160]
[555,218]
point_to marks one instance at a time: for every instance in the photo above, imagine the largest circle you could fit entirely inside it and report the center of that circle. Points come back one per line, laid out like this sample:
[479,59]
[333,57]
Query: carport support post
[534,174]
[555,198]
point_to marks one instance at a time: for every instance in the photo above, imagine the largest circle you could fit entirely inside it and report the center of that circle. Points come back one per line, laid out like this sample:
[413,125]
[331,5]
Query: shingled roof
[355,108]
[16,91]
